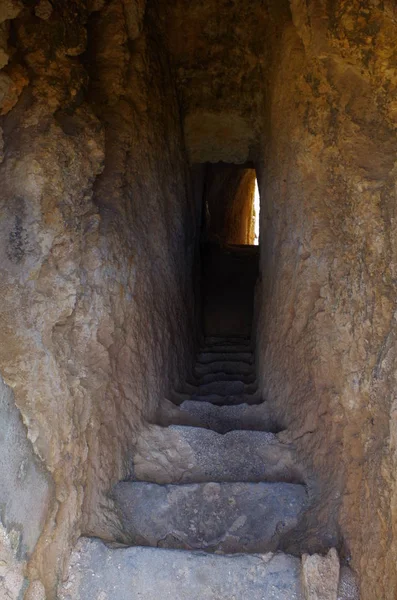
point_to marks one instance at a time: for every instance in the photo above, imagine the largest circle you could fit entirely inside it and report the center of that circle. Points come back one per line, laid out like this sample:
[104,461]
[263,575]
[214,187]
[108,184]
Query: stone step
[227,341]
[97,571]
[225,366]
[222,388]
[221,517]
[226,388]
[211,377]
[237,357]
[228,418]
[219,400]
[180,454]
[226,349]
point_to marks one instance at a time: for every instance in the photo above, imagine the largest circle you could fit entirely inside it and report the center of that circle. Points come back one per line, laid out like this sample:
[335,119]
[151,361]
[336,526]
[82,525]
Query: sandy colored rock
[327,329]
[36,591]
[320,576]
[103,106]
[5,85]
[9,9]
[134,11]
[212,137]
[191,455]
[11,86]
[220,66]
[75,313]
[4,53]
[1,145]
[43,10]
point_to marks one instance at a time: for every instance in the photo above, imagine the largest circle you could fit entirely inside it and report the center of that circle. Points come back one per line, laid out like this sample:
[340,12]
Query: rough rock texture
[221,517]
[348,585]
[327,327]
[98,233]
[218,52]
[100,573]
[193,455]
[226,418]
[320,576]
[94,307]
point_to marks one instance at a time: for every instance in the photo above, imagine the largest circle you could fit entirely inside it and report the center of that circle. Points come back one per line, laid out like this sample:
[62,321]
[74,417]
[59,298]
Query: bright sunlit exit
[256,213]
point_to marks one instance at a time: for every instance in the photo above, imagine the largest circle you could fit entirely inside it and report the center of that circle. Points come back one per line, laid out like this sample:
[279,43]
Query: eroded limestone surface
[226,418]
[320,576]
[327,329]
[222,517]
[98,572]
[95,309]
[192,455]
[102,105]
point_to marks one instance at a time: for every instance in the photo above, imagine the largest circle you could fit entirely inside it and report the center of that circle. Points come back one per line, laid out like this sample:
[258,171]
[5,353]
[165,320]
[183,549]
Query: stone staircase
[211,503]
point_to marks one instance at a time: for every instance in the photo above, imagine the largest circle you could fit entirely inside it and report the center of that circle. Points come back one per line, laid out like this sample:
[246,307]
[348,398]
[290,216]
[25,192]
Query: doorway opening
[229,249]
[231,205]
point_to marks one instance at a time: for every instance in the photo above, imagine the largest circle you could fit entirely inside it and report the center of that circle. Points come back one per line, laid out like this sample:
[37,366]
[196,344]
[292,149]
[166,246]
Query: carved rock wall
[97,242]
[98,238]
[327,328]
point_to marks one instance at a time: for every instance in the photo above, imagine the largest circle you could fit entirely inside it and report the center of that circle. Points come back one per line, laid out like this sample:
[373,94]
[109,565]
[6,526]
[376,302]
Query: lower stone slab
[98,572]
[222,517]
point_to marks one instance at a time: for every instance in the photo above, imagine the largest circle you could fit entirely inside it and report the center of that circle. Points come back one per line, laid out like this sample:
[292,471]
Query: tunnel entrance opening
[230,205]
[229,249]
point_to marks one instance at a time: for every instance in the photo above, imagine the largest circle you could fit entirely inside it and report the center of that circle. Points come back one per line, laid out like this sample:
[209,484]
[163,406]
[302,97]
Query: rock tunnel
[132,133]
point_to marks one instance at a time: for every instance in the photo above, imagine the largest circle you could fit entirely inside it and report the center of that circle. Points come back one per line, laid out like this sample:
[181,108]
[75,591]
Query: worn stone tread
[227,348]
[228,418]
[222,517]
[180,454]
[207,358]
[99,572]
[228,341]
[220,400]
[226,388]
[211,377]
[225,366]
[178,398]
